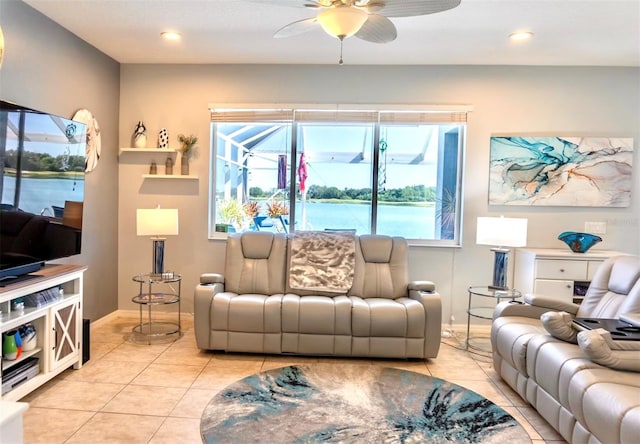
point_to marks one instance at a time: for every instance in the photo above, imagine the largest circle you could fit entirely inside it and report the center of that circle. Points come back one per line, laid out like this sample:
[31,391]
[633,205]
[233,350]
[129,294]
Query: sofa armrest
[533,307]
[202,301]
[427,286]
[432,303]
[211,278]
[517,308]
[550,303]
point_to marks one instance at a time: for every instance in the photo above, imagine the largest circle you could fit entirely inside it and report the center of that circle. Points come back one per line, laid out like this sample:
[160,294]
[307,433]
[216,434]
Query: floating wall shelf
[169,176]
[148,150]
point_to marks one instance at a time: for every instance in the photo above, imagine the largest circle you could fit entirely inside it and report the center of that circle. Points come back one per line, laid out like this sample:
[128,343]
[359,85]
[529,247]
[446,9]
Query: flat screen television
[41,189]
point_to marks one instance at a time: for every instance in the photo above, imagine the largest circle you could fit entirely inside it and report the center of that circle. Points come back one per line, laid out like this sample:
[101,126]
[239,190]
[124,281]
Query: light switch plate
[595,227]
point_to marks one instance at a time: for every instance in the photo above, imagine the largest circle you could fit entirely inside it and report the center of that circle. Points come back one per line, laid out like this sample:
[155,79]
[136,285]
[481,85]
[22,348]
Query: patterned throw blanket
[322,261]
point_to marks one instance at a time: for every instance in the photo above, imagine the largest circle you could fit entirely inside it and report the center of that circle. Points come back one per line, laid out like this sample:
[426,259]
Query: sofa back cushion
[255,263]
[381,267]
[614,290]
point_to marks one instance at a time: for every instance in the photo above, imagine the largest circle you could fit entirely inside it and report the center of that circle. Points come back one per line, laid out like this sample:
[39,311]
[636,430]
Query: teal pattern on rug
[318,403]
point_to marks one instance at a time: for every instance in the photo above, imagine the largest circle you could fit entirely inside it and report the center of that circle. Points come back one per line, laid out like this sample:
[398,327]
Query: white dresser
[558,273]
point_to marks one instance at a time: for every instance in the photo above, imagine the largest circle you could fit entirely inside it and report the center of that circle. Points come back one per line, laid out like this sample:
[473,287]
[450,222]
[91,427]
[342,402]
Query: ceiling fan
[365,19]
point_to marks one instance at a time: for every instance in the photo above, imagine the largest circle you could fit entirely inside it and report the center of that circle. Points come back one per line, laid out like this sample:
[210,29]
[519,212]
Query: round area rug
[353,403]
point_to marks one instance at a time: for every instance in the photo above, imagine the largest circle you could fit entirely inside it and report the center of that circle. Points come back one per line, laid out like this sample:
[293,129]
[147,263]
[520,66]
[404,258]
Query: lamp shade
[342,21]
[502,231]
[157,222]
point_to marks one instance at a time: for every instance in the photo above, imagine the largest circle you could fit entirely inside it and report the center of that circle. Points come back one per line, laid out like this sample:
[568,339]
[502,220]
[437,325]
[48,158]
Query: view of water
[411,222]
[38,194]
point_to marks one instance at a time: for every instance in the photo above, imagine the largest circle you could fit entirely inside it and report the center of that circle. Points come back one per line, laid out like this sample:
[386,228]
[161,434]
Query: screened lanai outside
[384,172]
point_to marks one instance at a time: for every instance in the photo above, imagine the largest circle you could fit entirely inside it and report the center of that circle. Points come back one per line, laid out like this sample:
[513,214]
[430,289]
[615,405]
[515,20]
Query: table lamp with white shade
[502,232]
[157,222]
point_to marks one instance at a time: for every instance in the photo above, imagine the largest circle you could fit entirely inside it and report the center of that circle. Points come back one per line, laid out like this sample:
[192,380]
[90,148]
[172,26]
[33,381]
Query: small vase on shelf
[184,165]
[140,136]
[187,147]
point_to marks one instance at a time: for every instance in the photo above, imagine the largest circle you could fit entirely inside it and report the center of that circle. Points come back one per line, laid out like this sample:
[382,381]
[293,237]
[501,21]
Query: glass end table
[485,311]
[156,290]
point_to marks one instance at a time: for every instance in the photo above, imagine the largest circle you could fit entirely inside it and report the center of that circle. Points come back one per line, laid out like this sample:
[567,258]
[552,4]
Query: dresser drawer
[561,269]
[556,289]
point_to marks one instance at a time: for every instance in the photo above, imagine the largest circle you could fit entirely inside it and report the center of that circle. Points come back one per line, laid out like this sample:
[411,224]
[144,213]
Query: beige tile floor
[136,393]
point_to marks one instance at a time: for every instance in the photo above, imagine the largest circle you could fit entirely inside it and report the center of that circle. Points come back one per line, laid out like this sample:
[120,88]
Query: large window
[386,172]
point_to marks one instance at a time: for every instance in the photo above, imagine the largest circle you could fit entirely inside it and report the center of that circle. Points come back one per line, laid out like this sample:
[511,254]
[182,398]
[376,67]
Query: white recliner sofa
[252,307]
[584,384]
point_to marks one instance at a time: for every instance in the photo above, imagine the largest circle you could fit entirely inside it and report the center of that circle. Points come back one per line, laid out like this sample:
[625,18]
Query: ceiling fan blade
[409,8]
[296,28]
[377,29]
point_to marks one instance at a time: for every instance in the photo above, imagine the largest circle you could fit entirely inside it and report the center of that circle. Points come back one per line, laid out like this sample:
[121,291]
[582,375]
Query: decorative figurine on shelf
[153,169]
[187,148]
[168,166]
[140,136]
[163,139]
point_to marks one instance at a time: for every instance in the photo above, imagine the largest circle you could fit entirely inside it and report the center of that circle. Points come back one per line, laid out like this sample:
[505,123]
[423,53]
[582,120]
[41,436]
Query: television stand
[58,326]
[11,280]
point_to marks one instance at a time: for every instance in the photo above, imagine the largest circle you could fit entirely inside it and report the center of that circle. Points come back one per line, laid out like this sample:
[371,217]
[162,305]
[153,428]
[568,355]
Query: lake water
[38,194]
[412,222]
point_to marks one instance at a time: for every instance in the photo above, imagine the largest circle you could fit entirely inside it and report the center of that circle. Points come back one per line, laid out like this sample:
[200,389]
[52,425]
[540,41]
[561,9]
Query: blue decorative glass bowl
[579,242]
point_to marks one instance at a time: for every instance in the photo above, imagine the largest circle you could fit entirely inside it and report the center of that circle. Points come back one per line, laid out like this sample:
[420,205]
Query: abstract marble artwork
[561,171]
[353,403]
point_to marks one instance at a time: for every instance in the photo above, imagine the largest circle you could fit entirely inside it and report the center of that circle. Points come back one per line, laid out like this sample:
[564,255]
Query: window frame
[274,113]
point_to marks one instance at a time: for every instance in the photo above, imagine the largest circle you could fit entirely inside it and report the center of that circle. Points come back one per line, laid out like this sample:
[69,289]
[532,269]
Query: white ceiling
[567,32]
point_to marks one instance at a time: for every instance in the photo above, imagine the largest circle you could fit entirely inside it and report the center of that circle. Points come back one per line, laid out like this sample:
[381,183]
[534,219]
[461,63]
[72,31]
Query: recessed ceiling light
[171,35]
[521,35]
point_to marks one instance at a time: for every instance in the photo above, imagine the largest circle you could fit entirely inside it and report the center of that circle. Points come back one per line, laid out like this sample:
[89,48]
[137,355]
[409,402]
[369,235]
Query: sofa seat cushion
[605,402]
[389,318]
[249,313]
[321,315]
[552,363]
[510,336]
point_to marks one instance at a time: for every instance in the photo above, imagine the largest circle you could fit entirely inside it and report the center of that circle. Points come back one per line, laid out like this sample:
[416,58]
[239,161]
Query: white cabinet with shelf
[58,325]
[557,273]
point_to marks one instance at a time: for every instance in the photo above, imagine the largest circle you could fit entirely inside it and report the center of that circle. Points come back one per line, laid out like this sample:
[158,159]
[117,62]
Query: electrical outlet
[595,227]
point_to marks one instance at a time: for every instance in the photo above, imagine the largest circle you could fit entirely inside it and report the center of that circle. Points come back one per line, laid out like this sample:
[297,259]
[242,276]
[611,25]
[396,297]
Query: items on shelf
[168,166]
[28,336]
[20,373]
[44,297]
[140,136]
[163,138]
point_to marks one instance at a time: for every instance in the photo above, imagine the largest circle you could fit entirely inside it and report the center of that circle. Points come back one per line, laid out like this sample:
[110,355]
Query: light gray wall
[50,69]
[522,100]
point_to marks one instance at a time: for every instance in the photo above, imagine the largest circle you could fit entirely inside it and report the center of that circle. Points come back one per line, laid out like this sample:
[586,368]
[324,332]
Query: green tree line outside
[411,193]
[32,161]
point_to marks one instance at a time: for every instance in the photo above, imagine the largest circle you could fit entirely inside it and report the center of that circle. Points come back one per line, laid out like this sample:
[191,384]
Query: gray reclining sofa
[352,298]
[584,383]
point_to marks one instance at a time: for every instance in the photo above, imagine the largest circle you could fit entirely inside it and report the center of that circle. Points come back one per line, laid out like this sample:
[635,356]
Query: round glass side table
[485,311]
[156,290]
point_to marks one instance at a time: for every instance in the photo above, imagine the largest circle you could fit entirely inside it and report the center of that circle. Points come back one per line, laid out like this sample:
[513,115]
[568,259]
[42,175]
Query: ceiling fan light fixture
[171,36]
[521,35]
[342,21]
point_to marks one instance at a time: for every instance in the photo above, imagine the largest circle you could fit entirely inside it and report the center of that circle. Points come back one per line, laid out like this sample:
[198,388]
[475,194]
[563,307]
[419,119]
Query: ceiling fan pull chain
[340,62]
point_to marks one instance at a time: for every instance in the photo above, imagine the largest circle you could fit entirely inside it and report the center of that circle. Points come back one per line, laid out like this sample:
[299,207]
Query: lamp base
[158,256]
[500,262]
